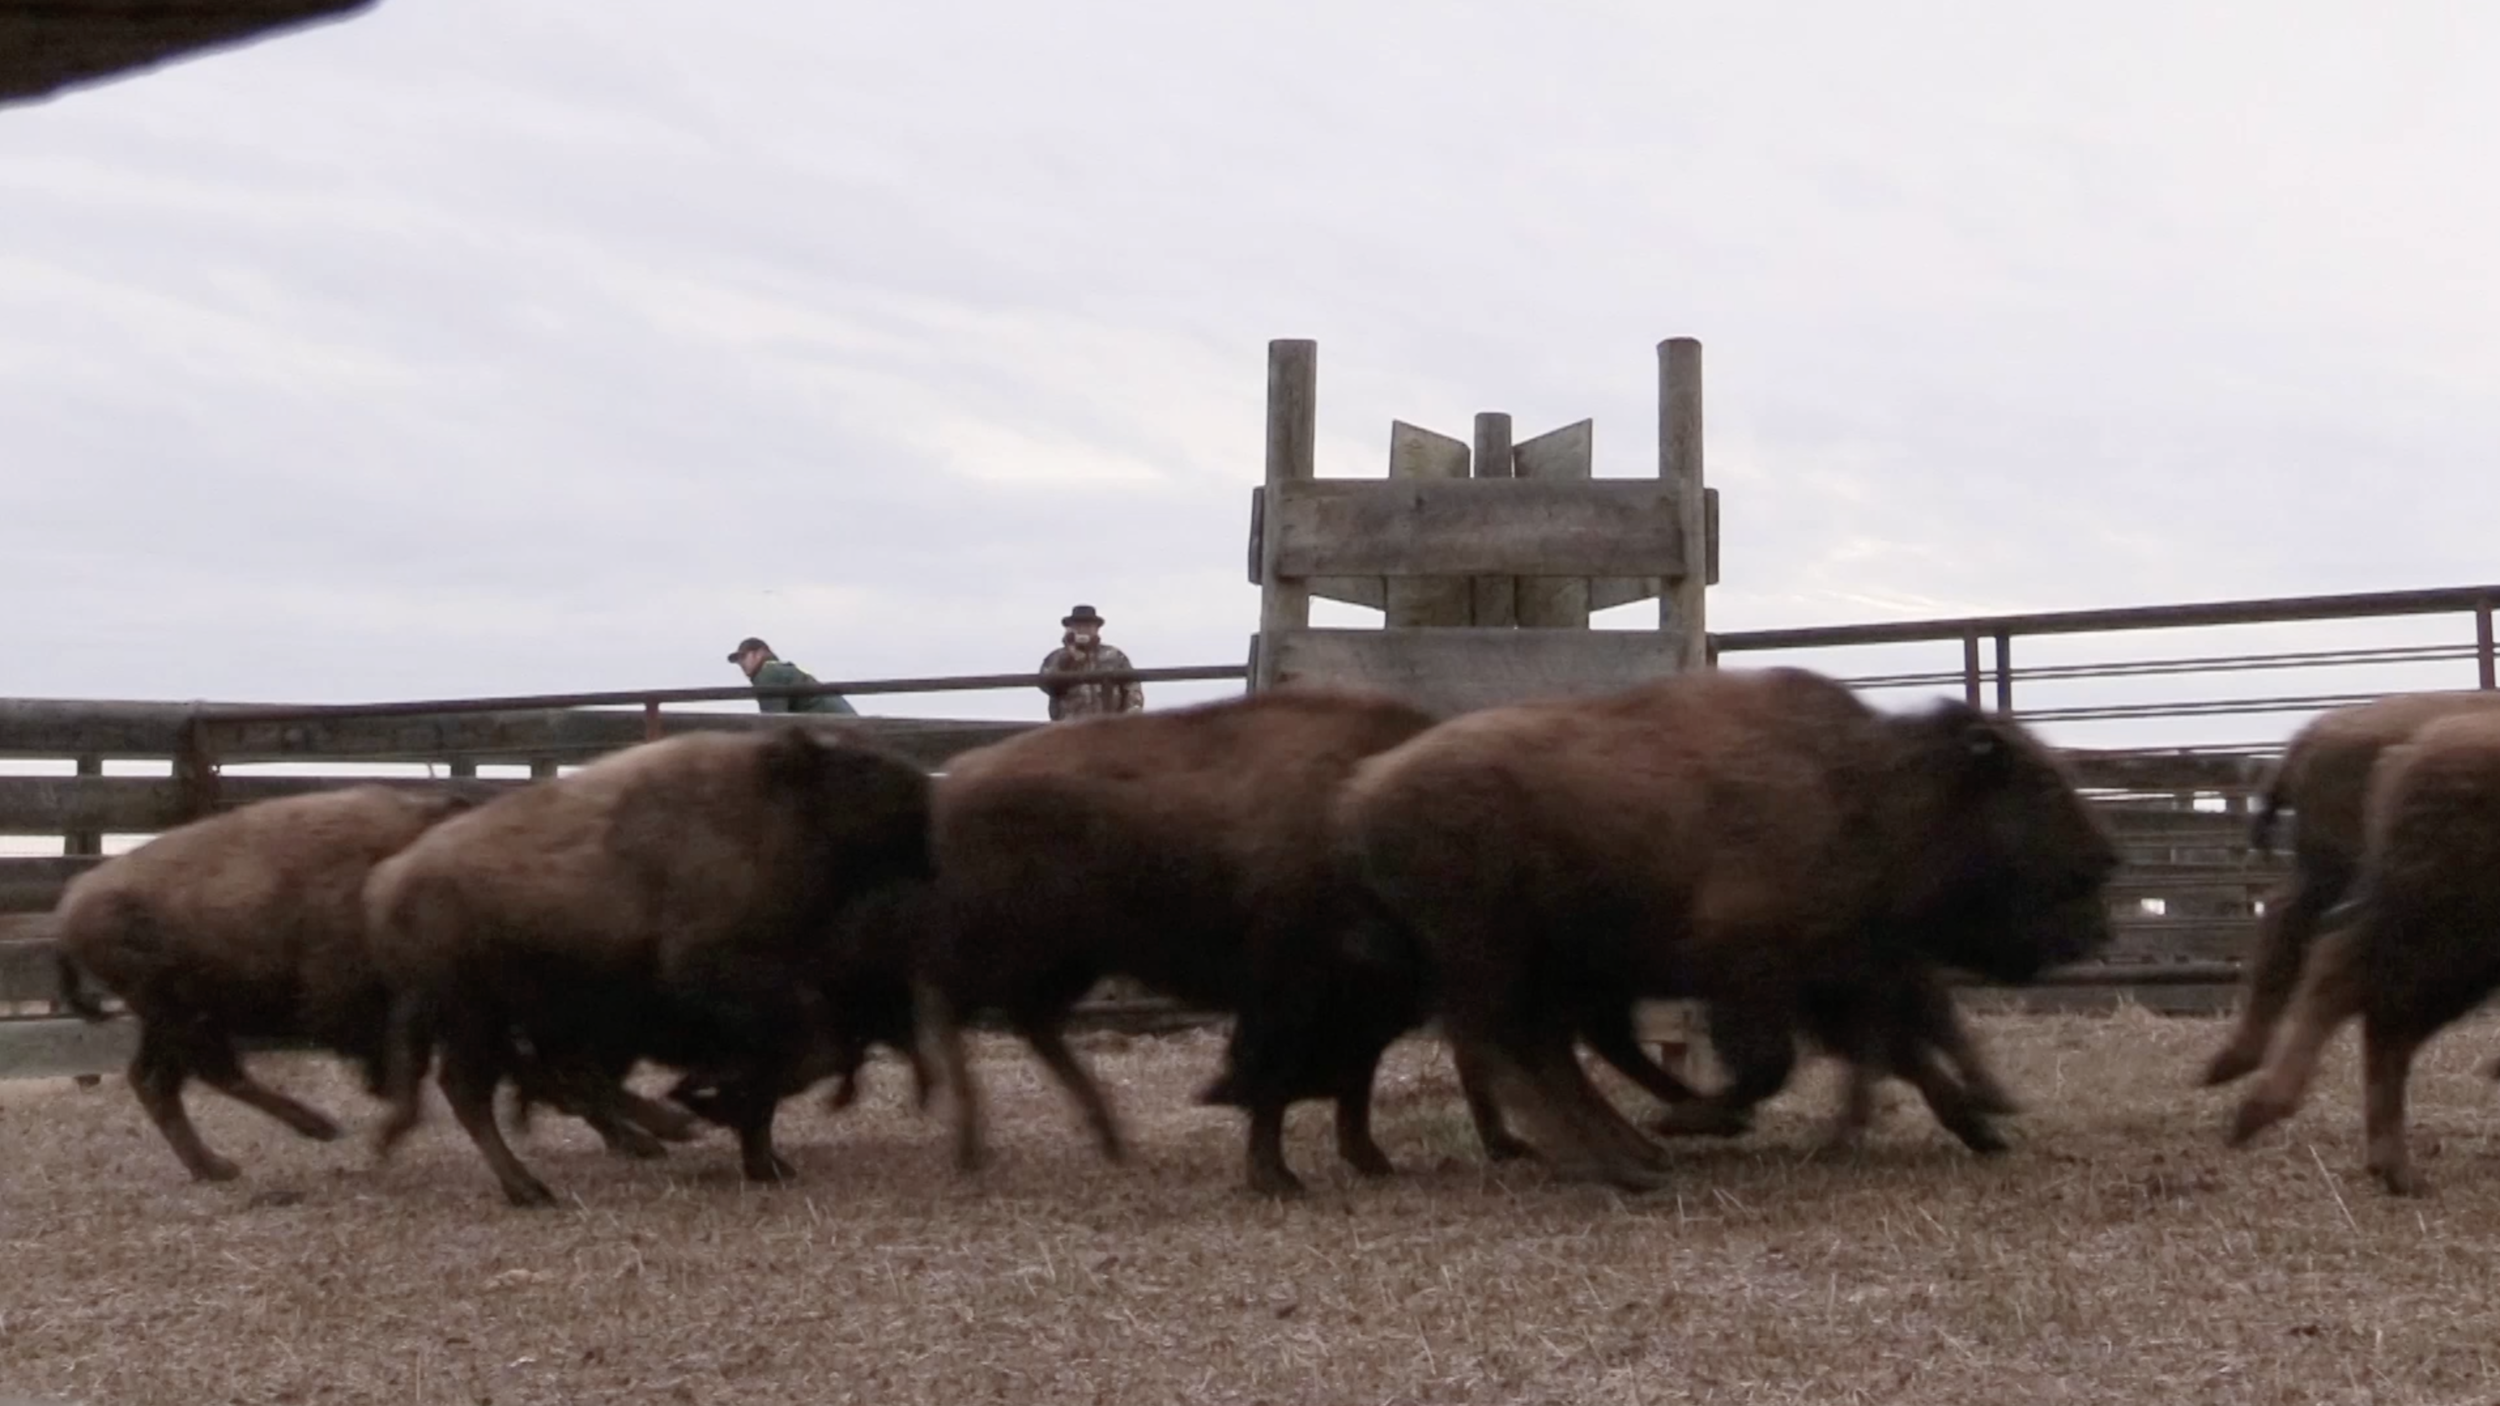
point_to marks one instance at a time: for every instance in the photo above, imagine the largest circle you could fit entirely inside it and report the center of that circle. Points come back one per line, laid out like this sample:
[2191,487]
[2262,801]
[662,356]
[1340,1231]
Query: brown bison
[2413,947]
[2322,777]
[674,901]
[1761,840]
[1182,849]
[242,925]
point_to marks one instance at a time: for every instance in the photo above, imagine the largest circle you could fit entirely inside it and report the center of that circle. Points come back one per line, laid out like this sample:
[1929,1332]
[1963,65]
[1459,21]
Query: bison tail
[74,991]
[2269,805]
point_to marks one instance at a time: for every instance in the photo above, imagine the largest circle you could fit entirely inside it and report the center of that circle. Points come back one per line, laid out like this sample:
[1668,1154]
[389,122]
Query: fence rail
[2185,903]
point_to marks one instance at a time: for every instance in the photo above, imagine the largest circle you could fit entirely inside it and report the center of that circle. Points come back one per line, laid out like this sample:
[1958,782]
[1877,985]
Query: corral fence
[2169,714]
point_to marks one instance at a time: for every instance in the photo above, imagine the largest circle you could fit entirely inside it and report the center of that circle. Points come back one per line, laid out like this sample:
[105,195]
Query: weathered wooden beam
[2151,939]
[1557,456]
[1682,607]
[147,805]
[58,728]
[1403,528]
[1418,455]
[1292,458]
[1452,670]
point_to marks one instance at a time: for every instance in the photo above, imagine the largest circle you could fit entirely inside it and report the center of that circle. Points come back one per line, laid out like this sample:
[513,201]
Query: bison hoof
[1277,1184]
[1700,1120]
[1370,1162]
[212,1167]
[1506,1148]
[528,1193]
[1993,1102]
[2256,1114]
[2402,1181]
[772,1168]
[2232,1063]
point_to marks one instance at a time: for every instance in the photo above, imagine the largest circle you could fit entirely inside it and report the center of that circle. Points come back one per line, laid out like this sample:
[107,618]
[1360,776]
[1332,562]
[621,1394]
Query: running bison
[1182,849]
[675,901]
[2412,948]
[2322,777]
[242,925]
[1760,840]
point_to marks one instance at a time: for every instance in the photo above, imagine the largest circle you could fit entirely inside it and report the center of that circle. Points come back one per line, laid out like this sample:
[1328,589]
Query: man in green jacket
[768,670]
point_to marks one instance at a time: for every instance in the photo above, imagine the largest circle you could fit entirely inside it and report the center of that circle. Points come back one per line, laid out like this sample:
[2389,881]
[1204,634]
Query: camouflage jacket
[781,673]
[1087,699]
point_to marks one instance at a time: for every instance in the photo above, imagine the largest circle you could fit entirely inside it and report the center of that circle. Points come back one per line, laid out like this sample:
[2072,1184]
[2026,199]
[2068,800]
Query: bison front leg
[1475,1084]
[215,1064]
[748,1103]
[1265,1154]
[2387,1052]
[1354,1119]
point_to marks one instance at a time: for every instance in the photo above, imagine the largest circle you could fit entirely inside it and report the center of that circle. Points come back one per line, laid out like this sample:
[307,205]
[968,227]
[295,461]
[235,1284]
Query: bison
[675,901]
[1181,849]
[1761,840]
[2322,776]
[2414,945]
[241,925]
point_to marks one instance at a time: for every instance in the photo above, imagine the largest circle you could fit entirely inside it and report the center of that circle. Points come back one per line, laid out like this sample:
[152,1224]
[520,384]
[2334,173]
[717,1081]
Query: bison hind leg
[1041,1032]
[215,1064]
[2333,988]
[158,1071]
[472,1067]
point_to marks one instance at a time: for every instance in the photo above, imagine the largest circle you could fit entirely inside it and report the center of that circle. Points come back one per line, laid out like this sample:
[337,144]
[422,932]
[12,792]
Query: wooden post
[1496,597]
[2483,662]
[461,767]
[651,720]
[542,768]
[85,842]
[1292,450]
[2005,672]
[1680,610]
[1970,667]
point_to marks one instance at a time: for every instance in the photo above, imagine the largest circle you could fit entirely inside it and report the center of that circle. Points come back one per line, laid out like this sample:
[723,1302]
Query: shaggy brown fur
[1185,850]
[675,900]
[2322,777]
[241,925]
[1758,839]
[2414,947]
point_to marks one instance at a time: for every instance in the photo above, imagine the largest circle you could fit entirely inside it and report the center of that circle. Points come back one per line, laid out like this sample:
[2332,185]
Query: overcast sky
[473,346]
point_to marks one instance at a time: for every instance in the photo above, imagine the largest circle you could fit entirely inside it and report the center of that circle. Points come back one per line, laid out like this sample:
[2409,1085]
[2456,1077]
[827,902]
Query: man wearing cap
[768,670]
[1081,650]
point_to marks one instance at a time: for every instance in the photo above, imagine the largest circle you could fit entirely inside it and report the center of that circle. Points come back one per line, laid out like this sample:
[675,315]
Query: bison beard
[1758,840]
[672,902]
[2413,948]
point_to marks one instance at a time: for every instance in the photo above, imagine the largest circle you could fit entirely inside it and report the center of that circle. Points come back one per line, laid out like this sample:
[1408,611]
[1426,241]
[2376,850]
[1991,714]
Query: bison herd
[1333,869]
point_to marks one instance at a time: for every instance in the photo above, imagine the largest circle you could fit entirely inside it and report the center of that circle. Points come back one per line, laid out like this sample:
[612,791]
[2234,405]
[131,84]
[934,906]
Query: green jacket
[781,673]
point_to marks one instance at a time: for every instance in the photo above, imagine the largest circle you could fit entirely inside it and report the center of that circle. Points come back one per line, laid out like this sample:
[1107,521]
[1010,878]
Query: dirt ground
[2118,1253]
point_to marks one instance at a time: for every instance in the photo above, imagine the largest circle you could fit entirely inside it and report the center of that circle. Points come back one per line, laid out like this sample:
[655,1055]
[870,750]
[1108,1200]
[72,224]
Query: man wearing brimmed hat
[1081,650]
[768,670]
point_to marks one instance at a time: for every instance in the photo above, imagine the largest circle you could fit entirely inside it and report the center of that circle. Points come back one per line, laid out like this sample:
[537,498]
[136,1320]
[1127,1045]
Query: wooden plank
[147,805]
[1402,528]
[64,728]
[1452,670]
[1557,456]
[2179,940]
[1417,454]
[2136,821]
[1292,450]
[64,1047]
[2213,773]
[1495,598]
[34,884]
[2202,1000]
[573,734]
[27,972]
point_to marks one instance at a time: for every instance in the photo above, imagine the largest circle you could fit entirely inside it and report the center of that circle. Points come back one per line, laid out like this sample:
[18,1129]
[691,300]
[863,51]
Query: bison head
[2003,865]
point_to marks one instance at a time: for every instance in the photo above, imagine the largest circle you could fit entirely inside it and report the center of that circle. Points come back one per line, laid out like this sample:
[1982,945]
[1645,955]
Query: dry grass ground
[2118,1254]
